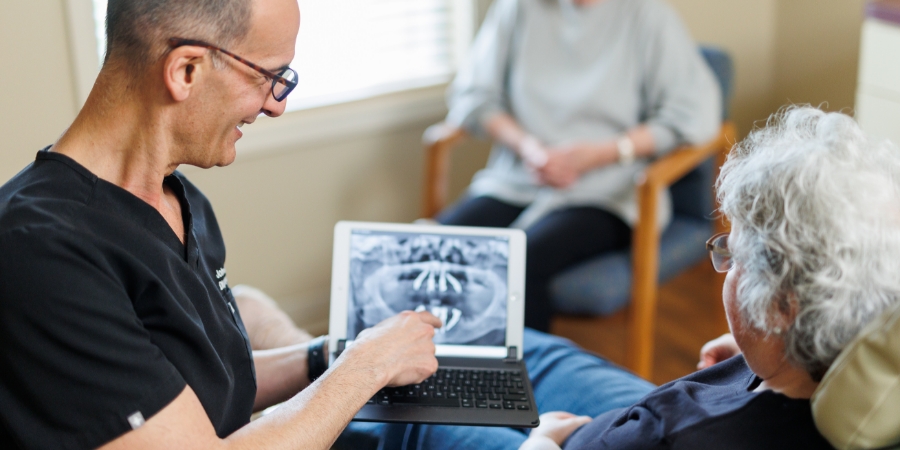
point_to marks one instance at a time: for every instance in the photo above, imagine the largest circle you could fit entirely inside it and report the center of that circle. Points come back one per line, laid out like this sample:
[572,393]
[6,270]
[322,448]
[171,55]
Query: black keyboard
[461,388]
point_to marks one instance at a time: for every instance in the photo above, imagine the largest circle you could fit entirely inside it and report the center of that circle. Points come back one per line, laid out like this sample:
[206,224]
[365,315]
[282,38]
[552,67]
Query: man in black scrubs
[117,324]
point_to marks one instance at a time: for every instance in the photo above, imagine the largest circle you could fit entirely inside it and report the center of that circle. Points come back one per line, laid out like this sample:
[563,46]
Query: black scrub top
[105,315]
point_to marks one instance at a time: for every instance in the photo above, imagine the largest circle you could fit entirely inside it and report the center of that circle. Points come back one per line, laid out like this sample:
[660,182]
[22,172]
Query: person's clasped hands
[562,165]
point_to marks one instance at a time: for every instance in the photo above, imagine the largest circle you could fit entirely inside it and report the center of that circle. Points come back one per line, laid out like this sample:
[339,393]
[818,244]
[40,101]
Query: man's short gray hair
[815,206]
[137,30]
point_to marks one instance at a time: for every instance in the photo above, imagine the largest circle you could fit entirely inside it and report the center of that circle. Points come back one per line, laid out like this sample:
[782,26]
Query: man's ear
[182,68]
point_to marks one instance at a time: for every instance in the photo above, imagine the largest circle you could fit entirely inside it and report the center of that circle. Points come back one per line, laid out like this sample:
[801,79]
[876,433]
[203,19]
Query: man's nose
[272,107]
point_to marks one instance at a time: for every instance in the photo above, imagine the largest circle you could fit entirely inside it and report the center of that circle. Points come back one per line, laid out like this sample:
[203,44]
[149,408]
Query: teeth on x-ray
[443,278]
[462,281]
[441,312]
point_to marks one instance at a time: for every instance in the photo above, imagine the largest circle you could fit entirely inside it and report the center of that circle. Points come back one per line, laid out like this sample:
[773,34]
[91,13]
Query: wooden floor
[690,314]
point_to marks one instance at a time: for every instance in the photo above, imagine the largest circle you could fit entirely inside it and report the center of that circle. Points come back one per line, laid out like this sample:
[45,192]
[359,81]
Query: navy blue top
[104,313]
[712,408]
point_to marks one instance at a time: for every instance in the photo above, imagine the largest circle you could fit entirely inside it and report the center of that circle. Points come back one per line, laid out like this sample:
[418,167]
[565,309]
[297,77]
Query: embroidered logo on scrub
[136,420]
[222,279]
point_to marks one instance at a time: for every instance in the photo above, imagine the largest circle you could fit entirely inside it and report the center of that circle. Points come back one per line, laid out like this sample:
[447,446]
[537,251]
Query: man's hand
[556,426]
[718,350]
[401,348]
[567,163]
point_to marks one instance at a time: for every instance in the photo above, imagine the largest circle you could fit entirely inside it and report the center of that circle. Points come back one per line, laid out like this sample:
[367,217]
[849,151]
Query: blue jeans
[564,377]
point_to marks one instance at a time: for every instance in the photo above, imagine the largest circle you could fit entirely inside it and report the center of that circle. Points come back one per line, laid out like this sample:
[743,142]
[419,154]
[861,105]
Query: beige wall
[747,30]
[277,209]
[37,98]
[817,49]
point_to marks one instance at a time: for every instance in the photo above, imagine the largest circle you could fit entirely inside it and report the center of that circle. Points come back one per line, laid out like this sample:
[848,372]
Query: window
[353,49]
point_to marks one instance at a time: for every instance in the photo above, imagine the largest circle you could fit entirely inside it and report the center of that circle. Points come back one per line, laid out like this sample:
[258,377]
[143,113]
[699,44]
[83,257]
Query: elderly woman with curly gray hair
[811,259]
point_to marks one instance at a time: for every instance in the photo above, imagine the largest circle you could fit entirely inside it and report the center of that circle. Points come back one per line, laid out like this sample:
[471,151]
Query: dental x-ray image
[460,279]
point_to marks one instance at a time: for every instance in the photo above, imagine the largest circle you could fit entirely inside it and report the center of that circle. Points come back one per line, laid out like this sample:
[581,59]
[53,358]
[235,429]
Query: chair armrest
[438,142]
[671,167]
[442,133]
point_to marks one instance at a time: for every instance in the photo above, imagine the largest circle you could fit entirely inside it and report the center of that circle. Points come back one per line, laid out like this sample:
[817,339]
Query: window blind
[352,49]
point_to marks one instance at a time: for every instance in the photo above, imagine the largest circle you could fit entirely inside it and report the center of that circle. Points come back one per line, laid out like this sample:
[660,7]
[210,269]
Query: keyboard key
[495,389]
[427,401]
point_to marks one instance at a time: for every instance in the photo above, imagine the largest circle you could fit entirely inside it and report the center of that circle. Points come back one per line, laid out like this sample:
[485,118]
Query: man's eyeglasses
[719,253]
[282,83]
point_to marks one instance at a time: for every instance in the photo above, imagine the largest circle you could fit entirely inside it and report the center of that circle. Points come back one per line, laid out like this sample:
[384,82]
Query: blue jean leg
[564,377]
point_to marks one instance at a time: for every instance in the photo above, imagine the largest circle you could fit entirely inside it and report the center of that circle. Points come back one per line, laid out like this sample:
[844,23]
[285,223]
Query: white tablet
[472,278]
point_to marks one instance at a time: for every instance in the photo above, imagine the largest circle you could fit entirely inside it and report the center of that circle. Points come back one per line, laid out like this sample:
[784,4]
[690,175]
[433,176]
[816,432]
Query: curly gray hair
[815,206]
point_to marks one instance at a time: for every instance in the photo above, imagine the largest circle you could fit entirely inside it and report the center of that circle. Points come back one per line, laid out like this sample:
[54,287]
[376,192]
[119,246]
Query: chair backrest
[857,404]
[692,195]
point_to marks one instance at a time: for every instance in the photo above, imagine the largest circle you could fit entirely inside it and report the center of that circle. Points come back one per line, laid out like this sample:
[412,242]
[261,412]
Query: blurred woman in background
[577,96]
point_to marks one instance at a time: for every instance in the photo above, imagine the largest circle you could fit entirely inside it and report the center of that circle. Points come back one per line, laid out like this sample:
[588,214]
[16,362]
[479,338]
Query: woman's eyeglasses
[719,253]
[282,83]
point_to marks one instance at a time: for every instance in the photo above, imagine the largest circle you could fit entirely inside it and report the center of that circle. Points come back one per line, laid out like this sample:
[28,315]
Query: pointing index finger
[430,319]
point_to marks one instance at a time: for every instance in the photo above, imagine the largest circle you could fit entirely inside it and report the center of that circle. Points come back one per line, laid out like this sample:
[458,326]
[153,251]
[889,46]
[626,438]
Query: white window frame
[394,107]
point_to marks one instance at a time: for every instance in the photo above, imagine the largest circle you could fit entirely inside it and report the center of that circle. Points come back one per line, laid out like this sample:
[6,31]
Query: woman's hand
[718,350]
[555,426]
[565,164]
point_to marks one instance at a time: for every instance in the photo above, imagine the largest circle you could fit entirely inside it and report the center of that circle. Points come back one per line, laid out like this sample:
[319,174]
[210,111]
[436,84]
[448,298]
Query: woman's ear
[182,68]
[788,307]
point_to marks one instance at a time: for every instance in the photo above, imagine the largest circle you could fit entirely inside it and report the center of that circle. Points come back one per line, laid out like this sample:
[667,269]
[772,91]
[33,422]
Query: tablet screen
[461,279]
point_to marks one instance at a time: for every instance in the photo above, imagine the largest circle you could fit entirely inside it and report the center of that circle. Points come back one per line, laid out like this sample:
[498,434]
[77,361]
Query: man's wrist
[317,357]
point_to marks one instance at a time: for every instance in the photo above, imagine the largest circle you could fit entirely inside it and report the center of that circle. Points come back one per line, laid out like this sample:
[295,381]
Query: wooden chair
[695,162]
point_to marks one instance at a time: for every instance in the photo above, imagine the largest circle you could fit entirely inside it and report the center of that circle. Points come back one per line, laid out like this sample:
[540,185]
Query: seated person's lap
[560,239]
[564,377]
[557,241]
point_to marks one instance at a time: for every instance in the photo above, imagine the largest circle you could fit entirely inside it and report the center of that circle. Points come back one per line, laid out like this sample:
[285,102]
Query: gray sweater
[583,73]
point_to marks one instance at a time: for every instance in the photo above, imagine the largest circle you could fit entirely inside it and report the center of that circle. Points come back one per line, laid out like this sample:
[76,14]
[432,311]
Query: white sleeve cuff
[539,443]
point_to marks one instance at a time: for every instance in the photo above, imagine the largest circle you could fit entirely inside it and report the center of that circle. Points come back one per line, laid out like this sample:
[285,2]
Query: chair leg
[645,267]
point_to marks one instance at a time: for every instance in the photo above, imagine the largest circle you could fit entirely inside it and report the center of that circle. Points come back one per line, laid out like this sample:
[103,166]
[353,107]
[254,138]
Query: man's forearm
[315,417]
[280,374]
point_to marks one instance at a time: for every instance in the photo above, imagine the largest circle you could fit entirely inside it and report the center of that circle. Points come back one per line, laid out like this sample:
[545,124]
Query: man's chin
[221,159]
[228,159]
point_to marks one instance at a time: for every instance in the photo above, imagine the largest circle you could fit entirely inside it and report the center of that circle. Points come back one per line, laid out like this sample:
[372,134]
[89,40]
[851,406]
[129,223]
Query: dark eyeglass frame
[276,78]
[719,255]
